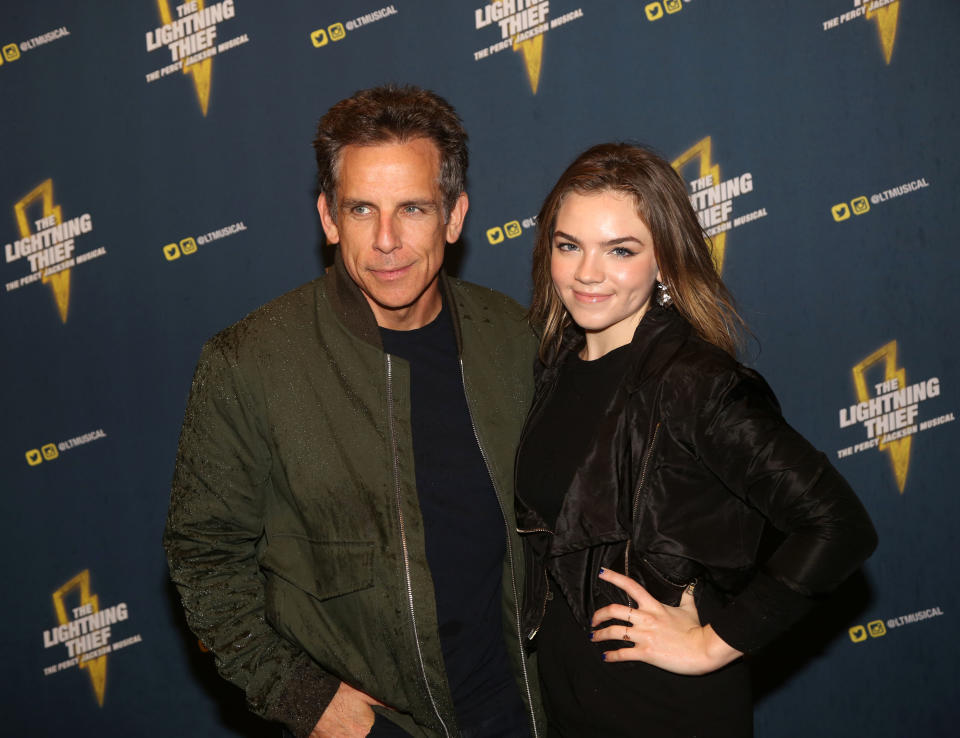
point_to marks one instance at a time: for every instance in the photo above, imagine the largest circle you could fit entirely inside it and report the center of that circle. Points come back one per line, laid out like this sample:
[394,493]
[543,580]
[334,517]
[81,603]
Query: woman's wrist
[719,653]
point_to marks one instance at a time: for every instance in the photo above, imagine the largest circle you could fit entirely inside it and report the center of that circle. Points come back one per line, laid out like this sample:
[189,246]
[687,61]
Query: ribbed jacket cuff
[308,691]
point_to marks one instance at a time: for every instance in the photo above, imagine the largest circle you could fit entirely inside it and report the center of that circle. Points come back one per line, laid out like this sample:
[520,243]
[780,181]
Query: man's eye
[360,210]
[413,209]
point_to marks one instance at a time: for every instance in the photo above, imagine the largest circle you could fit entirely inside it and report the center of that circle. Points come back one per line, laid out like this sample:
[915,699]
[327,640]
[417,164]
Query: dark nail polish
[601,570]
[591,635]
[603,657]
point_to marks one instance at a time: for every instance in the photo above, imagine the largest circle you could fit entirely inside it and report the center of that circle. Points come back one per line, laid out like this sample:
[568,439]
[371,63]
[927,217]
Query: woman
[673,520]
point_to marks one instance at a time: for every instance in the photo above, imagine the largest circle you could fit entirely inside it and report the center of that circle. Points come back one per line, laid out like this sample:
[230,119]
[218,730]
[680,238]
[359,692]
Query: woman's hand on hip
[670,638]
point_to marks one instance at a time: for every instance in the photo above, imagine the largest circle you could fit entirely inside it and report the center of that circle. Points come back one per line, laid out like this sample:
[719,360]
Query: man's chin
[397,308]
[395,295]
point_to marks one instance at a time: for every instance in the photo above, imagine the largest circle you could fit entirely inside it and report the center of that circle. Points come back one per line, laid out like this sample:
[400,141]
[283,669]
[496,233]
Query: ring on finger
[626,633]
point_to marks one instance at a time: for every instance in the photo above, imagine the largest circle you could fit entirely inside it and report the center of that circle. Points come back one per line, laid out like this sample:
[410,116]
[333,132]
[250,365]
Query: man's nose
[387,237]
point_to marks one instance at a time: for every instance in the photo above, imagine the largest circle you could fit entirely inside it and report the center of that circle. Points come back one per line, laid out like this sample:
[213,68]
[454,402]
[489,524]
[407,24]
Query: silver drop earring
[663,297]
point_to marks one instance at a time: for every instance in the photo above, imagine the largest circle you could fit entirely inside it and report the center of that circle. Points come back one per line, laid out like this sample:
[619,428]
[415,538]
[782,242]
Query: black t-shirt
[558,439]
[465,535]
[583,695]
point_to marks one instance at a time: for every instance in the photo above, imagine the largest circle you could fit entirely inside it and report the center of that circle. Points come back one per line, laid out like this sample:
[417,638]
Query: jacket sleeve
[214,522]
[742,438]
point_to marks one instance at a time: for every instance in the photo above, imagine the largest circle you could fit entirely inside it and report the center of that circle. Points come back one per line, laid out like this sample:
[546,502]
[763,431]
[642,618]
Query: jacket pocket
[322,569]
[659,586]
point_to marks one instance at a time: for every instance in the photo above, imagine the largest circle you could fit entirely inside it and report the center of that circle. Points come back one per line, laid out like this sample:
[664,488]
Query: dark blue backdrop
[822,103]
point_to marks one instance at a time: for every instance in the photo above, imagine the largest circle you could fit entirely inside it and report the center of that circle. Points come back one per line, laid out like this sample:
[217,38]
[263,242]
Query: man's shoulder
[477,297]
[279,321]
[493,324]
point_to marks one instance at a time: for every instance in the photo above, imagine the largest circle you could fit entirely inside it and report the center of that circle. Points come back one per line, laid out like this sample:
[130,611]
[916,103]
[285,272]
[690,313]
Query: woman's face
[603,266]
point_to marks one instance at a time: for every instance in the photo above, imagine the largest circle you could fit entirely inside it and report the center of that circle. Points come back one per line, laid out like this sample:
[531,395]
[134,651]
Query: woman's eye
[563,246]
[621,251]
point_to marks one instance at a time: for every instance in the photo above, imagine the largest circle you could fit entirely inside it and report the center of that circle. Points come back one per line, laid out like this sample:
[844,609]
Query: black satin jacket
[694,477]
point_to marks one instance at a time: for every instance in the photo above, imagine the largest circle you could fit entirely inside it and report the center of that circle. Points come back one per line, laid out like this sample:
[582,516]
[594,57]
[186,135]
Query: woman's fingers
[670,638]
[645,602]
[630,586]
[623,654]
[614,612]
[616,633]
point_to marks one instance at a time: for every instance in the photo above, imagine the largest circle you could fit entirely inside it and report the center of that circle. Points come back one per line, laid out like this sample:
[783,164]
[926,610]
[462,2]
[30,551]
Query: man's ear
[326,220]
[457,215]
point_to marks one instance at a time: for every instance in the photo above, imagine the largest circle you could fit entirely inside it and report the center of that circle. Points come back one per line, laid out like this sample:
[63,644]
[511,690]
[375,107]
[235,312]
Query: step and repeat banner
[158,184]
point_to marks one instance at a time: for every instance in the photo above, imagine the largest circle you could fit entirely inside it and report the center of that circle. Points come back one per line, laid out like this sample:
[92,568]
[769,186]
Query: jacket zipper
[513,575]
[403,543]
[546,578]
[636,496]
[537,406]
[543,610]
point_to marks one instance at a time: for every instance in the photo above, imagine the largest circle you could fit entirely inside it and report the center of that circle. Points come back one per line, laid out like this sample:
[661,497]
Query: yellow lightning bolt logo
[200,70]
[701,152]
[60,281]
[532,50]
[97,667]
[886,18]
[899,450]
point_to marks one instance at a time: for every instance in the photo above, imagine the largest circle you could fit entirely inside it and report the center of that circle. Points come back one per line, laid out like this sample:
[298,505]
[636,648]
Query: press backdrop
[155,189]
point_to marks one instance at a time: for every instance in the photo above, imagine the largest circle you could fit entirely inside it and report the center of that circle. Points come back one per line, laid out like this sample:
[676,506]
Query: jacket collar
[658,337]
[352,309]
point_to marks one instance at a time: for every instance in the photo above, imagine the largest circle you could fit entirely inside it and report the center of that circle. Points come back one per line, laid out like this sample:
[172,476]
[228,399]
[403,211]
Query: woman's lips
[590,298]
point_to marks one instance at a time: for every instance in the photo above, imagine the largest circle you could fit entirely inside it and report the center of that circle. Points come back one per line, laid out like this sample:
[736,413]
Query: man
[341,526]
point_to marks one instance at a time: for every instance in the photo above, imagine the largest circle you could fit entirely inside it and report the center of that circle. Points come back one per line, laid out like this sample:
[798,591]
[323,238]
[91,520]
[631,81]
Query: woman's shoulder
[699,357]
[701,373]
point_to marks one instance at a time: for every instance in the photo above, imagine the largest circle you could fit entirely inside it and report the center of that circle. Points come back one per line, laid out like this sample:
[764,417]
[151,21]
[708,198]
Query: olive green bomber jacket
[294,533]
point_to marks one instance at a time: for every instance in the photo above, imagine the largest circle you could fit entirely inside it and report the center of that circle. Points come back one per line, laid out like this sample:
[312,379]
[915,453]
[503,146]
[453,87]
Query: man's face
[391,229]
